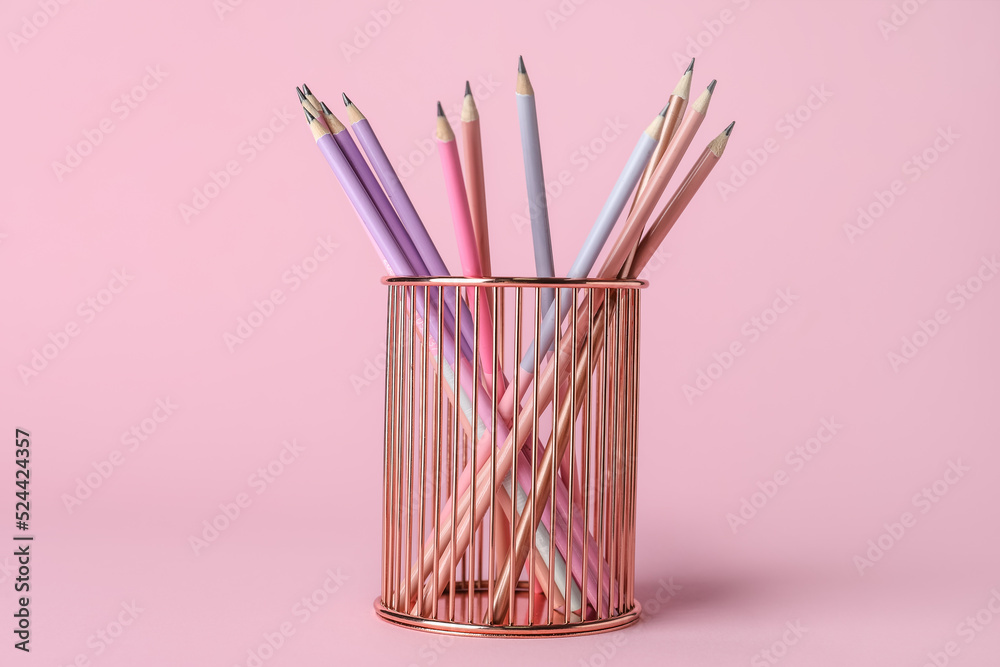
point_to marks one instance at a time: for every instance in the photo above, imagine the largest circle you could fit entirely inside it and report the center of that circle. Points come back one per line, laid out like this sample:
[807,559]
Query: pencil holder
[510,455]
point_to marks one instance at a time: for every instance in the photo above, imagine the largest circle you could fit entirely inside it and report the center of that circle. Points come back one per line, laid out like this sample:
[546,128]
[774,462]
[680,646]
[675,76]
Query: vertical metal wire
[387,457]
[476,355]
[457,372]
[422,393]
[398,499]
[409,435]
[555,468]
[532,496]
[512,611]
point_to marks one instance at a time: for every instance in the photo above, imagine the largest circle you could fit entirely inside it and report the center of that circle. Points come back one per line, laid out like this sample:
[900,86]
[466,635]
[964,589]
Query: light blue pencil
[599,233]
[538,208]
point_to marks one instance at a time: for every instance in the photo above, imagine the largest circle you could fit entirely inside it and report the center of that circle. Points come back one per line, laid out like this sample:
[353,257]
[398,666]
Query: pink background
[301,376]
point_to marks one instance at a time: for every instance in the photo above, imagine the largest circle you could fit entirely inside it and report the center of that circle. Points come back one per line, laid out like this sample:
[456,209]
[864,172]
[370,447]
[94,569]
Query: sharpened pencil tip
[325,108]
[711,86]
[301,96]
[440,109]
[729,128]
[520,66]
[306,89]
[690,67]
[309,116]
[468,89]
[665,107]
[347,100]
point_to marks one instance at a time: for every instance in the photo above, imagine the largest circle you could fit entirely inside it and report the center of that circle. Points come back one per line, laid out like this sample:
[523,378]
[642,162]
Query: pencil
[677,104]
[556,447]
[475,179]
[465,234]
[620,197]
[537,205]
[390,251]
[374,190]
[404,208]
[681,198]
[308,106]
[632,232]
[599,233]
[396,263]
[482,399]
[394,189]
[473,509]
[315,103]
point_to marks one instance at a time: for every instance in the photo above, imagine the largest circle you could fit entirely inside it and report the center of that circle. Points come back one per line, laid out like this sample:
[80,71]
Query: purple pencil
[392,254]
[407,213]
[370,183]
[391,219]
[394,188]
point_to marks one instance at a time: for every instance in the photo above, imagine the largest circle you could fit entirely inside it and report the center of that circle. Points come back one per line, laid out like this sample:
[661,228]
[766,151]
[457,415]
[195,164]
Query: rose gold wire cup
[571,569]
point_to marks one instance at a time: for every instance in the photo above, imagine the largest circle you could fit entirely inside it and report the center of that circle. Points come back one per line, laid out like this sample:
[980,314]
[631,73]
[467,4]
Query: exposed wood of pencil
[353,113]
[312,100]
[316,126]
[307,105]
[332,122]
[444,131]
[523,85]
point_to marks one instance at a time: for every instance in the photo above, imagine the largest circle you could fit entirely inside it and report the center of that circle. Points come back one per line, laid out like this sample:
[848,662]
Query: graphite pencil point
[729,128]
[690,67]
[520,66]
[468,88]
[711,86]
[440,110]
[347,100]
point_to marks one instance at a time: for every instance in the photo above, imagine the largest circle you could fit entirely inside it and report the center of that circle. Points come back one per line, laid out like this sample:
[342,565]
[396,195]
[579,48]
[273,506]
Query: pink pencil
[465,235]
